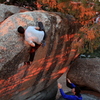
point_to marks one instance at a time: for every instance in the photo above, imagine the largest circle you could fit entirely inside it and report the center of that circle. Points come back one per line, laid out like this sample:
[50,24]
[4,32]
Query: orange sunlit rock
[27,17]
[62,70]
[3,48]
[20,22]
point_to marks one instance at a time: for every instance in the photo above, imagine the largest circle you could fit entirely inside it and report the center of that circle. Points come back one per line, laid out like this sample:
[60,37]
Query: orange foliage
[89,34]
[38,5]
[86,12]
[83,14]
[62,6]
[74,5]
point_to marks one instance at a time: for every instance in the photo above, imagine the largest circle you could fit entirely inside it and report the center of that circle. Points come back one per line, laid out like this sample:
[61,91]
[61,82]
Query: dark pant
[32,51]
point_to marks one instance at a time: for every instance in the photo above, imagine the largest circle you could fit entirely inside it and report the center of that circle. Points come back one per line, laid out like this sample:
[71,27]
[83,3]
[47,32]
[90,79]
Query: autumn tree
[84,12]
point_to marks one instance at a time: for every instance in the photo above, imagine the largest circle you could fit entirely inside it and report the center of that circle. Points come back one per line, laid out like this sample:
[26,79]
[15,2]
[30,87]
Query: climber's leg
[32,53]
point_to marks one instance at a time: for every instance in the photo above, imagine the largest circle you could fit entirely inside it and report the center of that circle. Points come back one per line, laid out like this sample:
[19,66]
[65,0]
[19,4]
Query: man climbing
[75,89]
[35,37]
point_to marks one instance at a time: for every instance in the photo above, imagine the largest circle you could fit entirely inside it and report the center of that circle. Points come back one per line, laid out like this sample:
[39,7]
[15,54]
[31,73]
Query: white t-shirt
[32,35]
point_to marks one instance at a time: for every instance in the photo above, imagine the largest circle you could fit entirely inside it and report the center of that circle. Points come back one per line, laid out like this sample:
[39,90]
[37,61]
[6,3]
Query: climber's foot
[27,63]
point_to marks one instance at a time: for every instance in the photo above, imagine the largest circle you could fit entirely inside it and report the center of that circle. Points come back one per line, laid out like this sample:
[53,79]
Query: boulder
[21,82]
[86,72]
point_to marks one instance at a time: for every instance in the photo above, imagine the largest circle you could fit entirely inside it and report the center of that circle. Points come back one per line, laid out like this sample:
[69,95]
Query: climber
[75,89]
[35,37]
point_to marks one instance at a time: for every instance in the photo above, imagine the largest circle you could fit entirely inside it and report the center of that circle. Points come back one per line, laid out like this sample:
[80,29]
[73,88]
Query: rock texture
[86,72]
[19,82]
[46,94]
[6,11]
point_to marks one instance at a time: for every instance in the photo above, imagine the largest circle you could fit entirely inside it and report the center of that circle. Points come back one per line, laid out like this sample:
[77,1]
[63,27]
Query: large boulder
[21,81]
[86,72]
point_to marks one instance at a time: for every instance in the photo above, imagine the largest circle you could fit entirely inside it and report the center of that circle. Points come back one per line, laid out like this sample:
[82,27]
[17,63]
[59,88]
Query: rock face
[86,72]
[6,11]
[22,82]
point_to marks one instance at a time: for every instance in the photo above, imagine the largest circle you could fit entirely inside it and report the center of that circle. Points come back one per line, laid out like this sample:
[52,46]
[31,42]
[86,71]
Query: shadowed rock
[86,72]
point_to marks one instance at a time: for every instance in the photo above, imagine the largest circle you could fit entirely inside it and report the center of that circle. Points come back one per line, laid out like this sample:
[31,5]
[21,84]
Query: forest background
[84,12]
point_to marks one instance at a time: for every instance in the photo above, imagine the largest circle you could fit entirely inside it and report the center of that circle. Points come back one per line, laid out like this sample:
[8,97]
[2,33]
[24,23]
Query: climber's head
[21,30]
[76,90]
